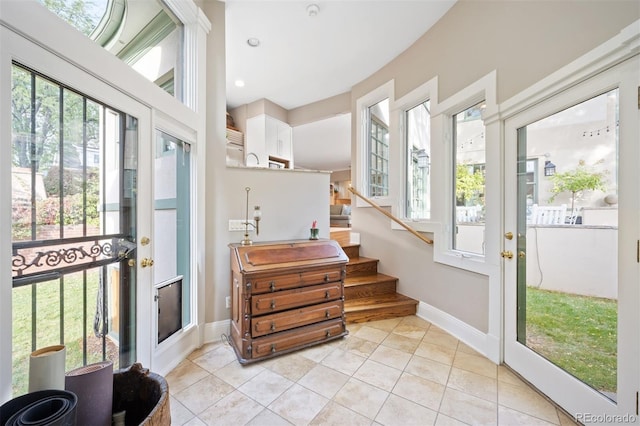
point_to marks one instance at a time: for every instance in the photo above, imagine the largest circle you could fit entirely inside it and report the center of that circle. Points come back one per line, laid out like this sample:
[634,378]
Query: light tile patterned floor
[401,371]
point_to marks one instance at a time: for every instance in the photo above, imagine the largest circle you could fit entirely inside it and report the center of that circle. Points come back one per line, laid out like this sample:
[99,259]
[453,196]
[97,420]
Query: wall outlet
[238,224]
[227,301]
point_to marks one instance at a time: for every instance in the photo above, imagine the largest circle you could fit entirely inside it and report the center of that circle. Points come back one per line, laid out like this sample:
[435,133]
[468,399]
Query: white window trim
[361,180]
[428,91]
[442,177]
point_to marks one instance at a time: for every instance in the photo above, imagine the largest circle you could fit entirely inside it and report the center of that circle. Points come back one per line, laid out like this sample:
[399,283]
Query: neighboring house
[480,50]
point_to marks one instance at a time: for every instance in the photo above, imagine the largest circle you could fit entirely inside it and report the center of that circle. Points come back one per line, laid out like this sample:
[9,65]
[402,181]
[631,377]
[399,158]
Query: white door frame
[563,89]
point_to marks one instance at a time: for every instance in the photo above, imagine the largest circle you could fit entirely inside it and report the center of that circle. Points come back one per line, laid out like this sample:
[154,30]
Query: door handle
[521,254]
[507,254]
[146,262]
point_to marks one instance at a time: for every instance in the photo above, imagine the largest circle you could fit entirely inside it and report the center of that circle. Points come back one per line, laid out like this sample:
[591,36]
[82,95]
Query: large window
[379,149]
[144,34]
[418,154]
[469,180]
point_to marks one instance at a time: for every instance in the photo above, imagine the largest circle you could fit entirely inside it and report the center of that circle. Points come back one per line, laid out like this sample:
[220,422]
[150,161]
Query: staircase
[368,294]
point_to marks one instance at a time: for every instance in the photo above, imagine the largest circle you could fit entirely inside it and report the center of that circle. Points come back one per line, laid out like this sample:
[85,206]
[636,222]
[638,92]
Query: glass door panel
[567,245]
[73,177]
[571,233]
[172,230]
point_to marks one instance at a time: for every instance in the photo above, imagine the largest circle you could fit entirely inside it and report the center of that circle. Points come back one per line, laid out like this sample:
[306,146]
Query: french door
[80,166]
[571,238]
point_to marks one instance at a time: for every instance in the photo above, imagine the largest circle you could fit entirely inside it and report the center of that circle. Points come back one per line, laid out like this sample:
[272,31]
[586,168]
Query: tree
[576,181]
[469,184]
[75,13]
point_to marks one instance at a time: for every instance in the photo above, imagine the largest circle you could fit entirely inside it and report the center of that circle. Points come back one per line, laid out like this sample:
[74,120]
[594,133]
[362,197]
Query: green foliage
[34,145]
[469,185]
[74,12]
[577,333]
[576,181]
[48,210]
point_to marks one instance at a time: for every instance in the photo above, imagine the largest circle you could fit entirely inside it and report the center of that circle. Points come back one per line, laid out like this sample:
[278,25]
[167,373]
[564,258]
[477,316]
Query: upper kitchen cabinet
[268,143]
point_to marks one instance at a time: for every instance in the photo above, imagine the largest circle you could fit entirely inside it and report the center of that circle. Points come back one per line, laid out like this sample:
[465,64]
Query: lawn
[48,327]
[577,333]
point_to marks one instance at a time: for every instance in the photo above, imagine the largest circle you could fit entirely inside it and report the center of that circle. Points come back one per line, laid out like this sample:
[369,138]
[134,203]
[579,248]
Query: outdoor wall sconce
[423,160]
[549,168]
[257,215]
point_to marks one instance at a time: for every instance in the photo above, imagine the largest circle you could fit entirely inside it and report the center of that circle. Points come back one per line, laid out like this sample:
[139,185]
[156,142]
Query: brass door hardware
[146,262]
[509,235]
[507,254]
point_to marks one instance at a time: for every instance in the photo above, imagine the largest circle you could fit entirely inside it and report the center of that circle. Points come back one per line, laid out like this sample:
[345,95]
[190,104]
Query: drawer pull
[273,304]
[272,286]
[327,294]
[327,314]
[273,326]
[328,333]
[326,277]
[273,348]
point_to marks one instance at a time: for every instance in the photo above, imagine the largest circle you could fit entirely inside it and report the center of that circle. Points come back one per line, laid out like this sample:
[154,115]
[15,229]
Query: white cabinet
[268,139]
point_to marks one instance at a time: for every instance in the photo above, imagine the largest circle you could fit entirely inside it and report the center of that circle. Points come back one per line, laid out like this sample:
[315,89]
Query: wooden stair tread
[382,301]
[350,245]
[361,259]
[354,280]
[368,294]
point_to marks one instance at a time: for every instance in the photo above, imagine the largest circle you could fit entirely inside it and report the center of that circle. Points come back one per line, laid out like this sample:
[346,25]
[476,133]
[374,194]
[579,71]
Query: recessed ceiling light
[312,10]
[239,83]
[253,42]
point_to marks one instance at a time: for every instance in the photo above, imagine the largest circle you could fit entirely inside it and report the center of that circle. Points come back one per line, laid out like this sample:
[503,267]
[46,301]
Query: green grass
[48,323]
[577,333]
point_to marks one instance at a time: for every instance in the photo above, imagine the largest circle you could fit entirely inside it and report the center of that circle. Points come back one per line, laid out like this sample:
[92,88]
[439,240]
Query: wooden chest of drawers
[286,296]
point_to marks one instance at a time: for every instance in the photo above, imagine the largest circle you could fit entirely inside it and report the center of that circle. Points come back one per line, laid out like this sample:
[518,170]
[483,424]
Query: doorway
[74,197]
[570,282]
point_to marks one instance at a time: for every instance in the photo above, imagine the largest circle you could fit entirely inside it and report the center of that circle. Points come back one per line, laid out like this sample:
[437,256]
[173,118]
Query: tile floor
[401,371]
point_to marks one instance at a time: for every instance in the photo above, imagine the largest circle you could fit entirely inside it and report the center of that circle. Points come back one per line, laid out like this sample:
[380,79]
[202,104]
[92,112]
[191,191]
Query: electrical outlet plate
[238,224]
[228,301]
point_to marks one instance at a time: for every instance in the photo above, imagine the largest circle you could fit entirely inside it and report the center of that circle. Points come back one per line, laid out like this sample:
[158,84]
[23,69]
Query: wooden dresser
[286,296]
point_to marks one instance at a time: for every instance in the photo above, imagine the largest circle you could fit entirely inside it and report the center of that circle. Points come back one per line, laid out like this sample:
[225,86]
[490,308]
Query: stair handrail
[390,216]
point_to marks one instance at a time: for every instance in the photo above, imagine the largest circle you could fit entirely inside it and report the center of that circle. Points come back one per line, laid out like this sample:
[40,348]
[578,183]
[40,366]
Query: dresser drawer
[289,299]
[269,284]
[287,320]
[319,277]
[298,338]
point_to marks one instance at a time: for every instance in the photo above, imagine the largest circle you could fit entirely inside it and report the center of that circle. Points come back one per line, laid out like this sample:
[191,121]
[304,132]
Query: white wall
[573,259]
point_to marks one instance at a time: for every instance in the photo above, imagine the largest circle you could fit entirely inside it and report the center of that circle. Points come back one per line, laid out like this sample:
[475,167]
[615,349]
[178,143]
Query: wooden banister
[390,216]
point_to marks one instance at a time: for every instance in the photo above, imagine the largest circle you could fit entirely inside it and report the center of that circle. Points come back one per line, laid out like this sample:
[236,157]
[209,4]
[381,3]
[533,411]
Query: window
[469,158]
[418,144]
[146,38]
[379,149]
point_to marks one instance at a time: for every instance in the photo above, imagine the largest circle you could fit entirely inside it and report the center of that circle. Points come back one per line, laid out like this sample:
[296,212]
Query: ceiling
[304,58]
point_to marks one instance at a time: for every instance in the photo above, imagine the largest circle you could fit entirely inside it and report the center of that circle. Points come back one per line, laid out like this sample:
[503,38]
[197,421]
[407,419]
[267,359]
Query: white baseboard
[485,344]
[168,355]
[213,331]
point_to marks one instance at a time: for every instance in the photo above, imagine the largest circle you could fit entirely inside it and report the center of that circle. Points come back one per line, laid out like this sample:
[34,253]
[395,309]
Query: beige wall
[326,108]
[524,41]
